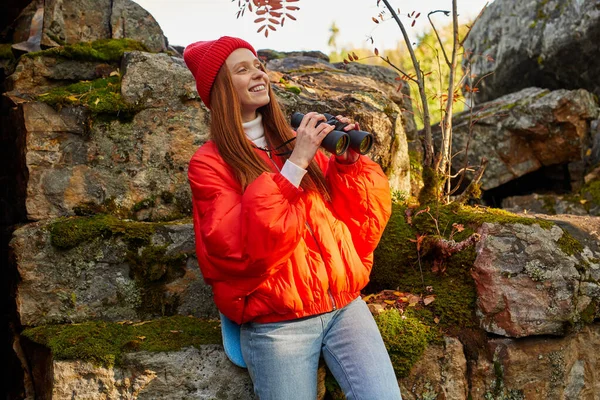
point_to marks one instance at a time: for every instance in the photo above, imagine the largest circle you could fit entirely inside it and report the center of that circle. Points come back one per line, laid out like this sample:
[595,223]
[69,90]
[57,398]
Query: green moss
[569,245]
[144,204]
[591,191]
[432,183]
[6,51]
[292,88]
[109,206]
[588,315]
[67,233]
[100,96]
[108,50]
[152,268]
[405,339]
[104,343]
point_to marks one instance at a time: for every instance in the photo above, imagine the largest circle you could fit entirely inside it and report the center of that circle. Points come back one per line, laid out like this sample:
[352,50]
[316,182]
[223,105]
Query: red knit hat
[205,59]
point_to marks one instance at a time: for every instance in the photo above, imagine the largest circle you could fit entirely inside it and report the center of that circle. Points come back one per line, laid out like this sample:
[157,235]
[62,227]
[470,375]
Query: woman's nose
[258,73]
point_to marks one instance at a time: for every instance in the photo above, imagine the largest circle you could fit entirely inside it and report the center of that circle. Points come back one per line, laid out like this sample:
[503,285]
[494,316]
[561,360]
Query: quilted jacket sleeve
[242,238]
[361,198]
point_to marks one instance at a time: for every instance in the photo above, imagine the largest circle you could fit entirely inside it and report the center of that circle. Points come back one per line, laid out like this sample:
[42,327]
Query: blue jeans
[283,357]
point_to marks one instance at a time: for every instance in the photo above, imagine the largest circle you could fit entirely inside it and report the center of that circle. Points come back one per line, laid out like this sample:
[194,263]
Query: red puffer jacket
[274,252]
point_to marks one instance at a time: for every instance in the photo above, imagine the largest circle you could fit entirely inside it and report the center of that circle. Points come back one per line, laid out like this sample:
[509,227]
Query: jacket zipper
[315,239]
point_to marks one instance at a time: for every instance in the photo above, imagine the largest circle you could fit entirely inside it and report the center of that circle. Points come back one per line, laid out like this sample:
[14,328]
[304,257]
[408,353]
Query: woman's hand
[350,156]
[309,136]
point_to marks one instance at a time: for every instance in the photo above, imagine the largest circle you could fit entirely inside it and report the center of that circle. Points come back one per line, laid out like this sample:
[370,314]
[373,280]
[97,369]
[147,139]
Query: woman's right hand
[309,136]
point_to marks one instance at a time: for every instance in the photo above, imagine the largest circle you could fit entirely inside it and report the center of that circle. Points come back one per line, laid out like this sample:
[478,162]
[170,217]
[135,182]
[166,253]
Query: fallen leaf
[141,337]
[390,302]
[398,293]
[114,73]
[376,309]
[97,101]
[413,300]
[175,331]
[428,299]
[436,320]
[369,297]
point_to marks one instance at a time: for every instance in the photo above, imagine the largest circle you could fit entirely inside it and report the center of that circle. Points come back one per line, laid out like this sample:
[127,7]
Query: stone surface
[190,373]
[548,204]
[129,20]
[68,22]
[524,131]
[37,75]
[539,368]
[127,163]
[97,280]
[550,43]
[527,285]
[441,373]
[144,83]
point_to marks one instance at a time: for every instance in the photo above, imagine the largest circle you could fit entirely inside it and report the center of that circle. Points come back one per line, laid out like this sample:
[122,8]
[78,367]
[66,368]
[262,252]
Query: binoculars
[338,141]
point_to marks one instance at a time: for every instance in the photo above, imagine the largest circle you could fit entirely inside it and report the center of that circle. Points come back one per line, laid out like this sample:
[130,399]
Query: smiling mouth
[258,88]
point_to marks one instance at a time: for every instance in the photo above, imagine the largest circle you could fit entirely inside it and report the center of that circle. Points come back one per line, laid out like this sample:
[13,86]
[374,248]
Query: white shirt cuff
[293,173]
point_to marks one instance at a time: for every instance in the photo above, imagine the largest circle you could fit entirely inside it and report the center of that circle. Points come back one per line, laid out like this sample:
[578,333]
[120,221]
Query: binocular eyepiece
[337,141]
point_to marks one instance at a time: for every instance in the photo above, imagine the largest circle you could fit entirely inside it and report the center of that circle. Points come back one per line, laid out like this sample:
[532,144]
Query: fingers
[311,119]
[347,120]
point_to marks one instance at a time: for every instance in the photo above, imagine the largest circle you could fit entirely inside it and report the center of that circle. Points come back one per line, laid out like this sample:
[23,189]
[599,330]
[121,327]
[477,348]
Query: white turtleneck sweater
[256,133]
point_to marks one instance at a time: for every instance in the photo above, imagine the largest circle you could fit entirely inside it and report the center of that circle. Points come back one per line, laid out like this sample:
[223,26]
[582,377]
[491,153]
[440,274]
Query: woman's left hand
[350,156]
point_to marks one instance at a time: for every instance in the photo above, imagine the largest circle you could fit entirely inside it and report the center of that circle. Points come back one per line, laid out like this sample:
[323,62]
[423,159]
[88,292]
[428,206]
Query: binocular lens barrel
[338,141]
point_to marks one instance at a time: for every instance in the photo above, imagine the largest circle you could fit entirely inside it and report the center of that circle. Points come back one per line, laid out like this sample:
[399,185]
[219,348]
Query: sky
[187,21]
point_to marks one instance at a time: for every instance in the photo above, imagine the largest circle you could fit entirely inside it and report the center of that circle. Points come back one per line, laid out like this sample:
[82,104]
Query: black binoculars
[338,141]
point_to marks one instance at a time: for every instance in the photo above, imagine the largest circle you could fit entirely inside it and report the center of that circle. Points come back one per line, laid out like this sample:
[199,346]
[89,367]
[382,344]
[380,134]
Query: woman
[285,236]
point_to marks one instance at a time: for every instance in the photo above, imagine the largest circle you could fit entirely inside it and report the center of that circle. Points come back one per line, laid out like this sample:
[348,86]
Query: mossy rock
[405,339]
[100,96]
[6,51]
[398,264]
[106,50]
[69,232]
[103,343]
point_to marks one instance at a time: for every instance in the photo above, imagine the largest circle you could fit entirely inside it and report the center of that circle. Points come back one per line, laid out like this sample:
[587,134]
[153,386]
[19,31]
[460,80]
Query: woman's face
[249,80]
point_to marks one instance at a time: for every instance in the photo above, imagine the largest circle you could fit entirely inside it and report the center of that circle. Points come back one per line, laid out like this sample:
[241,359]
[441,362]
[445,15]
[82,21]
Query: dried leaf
[97,101]
[376,51]
[257,20]
[175,331]
[413,300]
[376,309]
[413,23]
[141,337]
[398,293]
[390,302]
[428,299]
[114,73]
[436,320]
[368,297]
[375,20]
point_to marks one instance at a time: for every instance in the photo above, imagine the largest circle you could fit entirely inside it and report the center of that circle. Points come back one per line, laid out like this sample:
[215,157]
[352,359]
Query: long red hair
[234,147]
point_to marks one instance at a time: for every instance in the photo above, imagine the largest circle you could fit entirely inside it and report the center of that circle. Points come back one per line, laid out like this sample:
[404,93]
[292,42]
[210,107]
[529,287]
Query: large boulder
[531,280]
[524,131]
[68,22]
[538,368]
[190,373]
[102,268]
[551,44]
